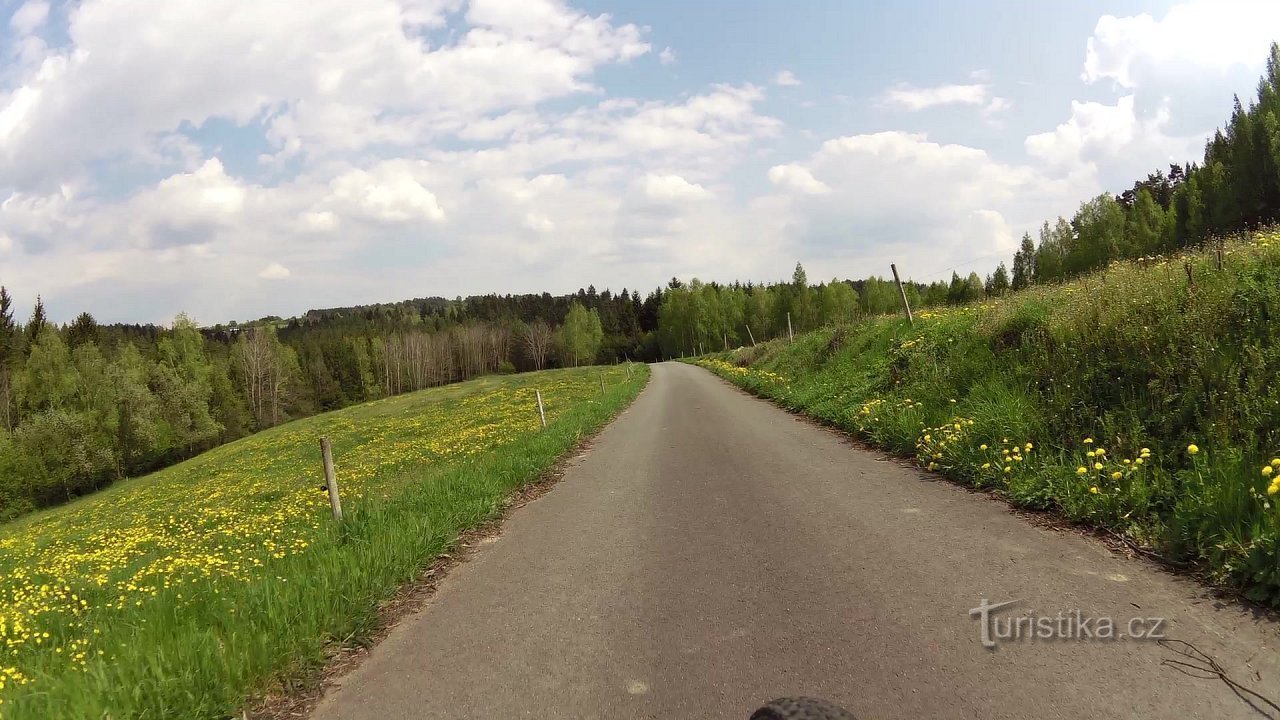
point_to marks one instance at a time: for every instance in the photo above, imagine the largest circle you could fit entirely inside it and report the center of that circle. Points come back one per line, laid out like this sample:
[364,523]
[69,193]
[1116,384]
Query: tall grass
[1083,398]
[204,607]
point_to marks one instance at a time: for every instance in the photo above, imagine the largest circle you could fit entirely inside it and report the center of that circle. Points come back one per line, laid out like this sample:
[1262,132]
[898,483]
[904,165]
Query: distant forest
[84,404]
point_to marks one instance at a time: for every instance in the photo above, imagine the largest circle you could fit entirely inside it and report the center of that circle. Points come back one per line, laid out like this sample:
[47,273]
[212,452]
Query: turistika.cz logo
[1065,625]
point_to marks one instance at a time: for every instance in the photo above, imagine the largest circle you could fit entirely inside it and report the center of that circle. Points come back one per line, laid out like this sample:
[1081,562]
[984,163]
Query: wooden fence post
[903,294]
[752,336]
[790,335]
[541,413]
[331,479]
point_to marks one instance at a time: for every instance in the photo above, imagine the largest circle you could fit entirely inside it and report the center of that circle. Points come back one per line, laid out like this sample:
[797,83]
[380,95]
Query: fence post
[903,294]
[602,383]
[752,336]
[790,335]
[541,414]
[331,479]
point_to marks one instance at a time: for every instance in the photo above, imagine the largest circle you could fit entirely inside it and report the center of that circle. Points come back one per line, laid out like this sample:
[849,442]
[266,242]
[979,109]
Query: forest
[84,404]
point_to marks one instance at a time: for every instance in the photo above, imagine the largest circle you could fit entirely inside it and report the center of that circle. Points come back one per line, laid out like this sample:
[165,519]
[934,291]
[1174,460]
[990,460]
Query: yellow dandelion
[1082,470]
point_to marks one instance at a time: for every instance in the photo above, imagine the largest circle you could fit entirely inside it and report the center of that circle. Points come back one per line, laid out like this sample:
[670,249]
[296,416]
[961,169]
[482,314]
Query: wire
[960,265]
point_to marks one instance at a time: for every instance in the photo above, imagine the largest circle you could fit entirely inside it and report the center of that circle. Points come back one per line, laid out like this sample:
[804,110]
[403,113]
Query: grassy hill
[1142,399]
[179,593]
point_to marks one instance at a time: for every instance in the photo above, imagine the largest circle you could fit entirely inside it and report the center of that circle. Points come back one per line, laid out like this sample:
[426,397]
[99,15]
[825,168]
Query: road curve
[711,552]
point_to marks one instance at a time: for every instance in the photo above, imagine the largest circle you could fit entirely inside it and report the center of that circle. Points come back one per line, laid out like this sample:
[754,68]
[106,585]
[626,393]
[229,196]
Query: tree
[1024,263]
[8,357]
[537,342]
[268,371]
[580,336]
[837,301]
[1145,224]
[37,323]
[83,330]
[998,282]
[49,380]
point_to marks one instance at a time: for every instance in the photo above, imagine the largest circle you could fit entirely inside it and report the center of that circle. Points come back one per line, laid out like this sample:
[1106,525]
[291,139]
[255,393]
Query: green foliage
[183,593]
[580,336]
[1109,377]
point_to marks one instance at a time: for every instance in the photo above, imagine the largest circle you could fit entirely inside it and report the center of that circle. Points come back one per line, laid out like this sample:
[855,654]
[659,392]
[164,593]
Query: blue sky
[250,157]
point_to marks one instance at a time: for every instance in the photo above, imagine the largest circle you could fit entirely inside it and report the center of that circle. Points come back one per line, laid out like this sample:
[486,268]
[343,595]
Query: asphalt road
[710,552]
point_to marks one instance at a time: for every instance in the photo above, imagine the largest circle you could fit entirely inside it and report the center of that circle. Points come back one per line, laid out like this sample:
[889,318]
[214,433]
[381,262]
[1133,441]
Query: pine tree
[37,323]
[8,357]
[998,282]
[1024,263]
[83,331]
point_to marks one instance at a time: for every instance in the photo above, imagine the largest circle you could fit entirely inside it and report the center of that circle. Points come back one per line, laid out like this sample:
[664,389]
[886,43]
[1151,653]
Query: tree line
[83,405]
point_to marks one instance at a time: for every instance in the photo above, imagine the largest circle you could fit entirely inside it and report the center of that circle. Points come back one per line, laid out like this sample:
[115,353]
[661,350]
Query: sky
[243,158]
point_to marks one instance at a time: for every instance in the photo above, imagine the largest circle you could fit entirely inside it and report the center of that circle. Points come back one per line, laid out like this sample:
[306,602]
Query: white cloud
[786,78]
[673,188]
[1206,34]
[29,16]
[389,192]
[913,99]
[667,56]
[900,197]
[336,78]
[274,271]
[797,178]
[1177,75]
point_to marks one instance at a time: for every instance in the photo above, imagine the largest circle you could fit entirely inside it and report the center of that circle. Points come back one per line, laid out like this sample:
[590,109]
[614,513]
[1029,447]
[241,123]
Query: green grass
[182,593]
[1129,359]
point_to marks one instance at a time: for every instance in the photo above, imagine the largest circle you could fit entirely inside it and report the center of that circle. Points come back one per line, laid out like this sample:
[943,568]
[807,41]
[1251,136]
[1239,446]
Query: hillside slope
[1141,399]
[176,594]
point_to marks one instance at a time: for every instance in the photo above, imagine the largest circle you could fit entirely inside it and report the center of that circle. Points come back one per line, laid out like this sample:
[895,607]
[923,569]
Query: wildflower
[986,466]
[1275,463]
[1088,441]
[1145,452]
[1094,489]
[1101,451]
[1192,449]
[1275,488]
[1116,475]
[1097,466]
[1082,470]
[1090,453]
[1138,461]
[1267,470]
[1008,469]
[1028,447]
[983,446]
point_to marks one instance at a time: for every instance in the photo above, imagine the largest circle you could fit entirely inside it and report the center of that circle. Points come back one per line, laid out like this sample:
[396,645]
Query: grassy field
[1132,400]
[181,593]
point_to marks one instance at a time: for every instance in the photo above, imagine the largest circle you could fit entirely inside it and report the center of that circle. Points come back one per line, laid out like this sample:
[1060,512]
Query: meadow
[182,593]
[1140,400]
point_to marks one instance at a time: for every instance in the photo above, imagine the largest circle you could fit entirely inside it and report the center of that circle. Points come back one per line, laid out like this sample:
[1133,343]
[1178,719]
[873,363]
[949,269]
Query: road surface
[710,552]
